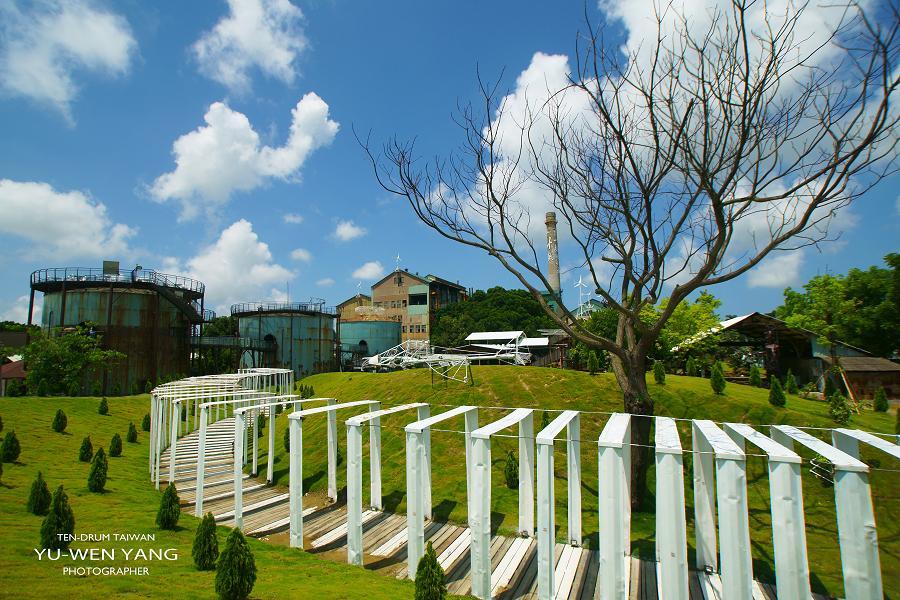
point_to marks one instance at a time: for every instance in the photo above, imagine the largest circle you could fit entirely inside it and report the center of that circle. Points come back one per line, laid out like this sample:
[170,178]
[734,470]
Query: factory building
[347,309]
[146,315]
[411,300]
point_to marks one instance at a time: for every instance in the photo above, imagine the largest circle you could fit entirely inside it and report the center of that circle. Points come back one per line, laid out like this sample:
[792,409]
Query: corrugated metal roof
[481,336]
[853,364]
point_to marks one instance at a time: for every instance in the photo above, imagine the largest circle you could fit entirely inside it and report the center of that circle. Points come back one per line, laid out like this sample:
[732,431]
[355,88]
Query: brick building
[413,299]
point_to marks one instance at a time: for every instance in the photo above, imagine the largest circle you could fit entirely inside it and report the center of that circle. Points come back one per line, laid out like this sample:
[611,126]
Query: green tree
[205,550]
[132,436]
[15,388]
[220,360]
[115,445]
[236,569]
[286,440]
[1,423]
[56,363]
[511,471]
[169,509]
[430,583]
[74,389]
[10,449]
[59,421]
[545,419]
[39,497]
[148,387]
[659,373]
[838,408]
[717,378]
[593,363]
[103,408]
[145,423]
[98,473]
[776,393]
[86,451]
[790,383]
[690,366]
[755,377]
[59,522]
[880,402]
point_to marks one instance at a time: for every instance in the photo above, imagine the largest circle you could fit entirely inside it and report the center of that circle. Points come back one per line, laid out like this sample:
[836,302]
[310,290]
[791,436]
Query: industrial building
[147,315]
[300,336]
[412,300]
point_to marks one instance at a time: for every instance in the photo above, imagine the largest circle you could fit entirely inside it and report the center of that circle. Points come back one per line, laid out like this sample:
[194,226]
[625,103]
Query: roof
[857,364]
[353,298]
[13,370]
[394,272]
[436,279]
[535,342]
[483,336]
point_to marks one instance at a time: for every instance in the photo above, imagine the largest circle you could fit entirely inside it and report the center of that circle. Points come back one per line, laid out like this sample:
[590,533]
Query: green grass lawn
[129,506]
[559,390]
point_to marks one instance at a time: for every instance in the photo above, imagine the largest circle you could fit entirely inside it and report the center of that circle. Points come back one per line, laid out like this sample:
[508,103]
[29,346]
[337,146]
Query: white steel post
[201,462]
[481,519]
[295,485]
[332,450]
[546,541]
[354,495]
[671,528]
[374,460]
[256,412]
[573,460]
[471,419]
[614,518]
[704,501]
[415,518]
[173,443]
[270,458]
[526,475]
[240,431]
[152,429]
[423,412]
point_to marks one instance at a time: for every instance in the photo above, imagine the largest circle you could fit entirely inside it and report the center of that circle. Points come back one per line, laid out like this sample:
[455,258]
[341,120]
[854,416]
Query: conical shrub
[776,394]
[236,569]
[103,409]
[659,372]
[131,436]
[790,383]
[430,584]
[690,367]
[169,509]
[717,379]
[755,377]
[59,421]
[39,497]
[10,449]
[115,445]
[1,423]
[286,440]
[99,470]
[205,551]
[838,409]
[86,452]
[545,419]
[880,402]
[60,520]
[145,424]
[511,471]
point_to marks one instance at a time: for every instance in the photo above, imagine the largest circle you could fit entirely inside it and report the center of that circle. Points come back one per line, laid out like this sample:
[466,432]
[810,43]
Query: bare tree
[676,166]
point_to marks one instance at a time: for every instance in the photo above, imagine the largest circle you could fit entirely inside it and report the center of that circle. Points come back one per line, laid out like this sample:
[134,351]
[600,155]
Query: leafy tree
[39,497]
[97,388]
[145,423]
[717,378]
[15,388]
[593,363]
[74,389]
[511,471]
[790,383]
[776,393]
[103,408]
[755,376]
[86,451]
[430,583]
[286,440]
[659,373]
[205,550]
[830,388]
[236,569]
[98,473]
[880,402]
[59,522]
[148,387]
[134,388]
[115,445]
[117,389]
[838,408]
[690,366]
[169,509]
[58,362]
[59,421]
[262,424]
[220,360]
[43,388]
[132,436]
[10,449]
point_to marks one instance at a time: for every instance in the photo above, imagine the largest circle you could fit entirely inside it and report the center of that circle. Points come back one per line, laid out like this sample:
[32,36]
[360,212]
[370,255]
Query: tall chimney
[552,253]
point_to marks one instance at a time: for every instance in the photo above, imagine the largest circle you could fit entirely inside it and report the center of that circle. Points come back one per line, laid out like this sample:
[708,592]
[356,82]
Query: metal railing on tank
[270,307]
[90,275]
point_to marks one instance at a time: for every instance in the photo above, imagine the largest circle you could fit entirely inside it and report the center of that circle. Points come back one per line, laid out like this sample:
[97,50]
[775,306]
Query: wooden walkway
[513,560]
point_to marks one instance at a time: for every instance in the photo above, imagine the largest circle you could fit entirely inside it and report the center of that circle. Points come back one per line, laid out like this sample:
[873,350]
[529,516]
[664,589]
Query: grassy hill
[129,506]
[552,389]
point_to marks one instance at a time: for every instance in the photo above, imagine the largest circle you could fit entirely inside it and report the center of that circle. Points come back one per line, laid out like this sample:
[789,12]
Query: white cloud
[266,34]
[62,225]
[347,230]
[41,48]
[293,218]
[18,311]
[325,282]
[370,270]
[301,254]
[777,270]
[225,156]
[237,267]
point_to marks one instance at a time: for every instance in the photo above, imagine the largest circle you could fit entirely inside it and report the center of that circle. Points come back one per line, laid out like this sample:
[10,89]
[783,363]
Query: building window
[418,299]
[404,303]
[403,329]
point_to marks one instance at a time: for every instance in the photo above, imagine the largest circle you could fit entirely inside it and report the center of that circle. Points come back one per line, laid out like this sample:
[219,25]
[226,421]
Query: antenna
[397,259]
[581,285]
[358,286]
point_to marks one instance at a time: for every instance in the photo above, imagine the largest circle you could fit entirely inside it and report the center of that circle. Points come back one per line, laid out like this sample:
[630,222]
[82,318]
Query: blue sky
[162,133]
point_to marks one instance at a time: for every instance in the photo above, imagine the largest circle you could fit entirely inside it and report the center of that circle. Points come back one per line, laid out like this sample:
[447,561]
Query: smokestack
[552,253]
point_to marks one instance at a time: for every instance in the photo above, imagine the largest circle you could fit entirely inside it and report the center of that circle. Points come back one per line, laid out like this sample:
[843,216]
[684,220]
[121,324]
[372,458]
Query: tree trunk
[631,377]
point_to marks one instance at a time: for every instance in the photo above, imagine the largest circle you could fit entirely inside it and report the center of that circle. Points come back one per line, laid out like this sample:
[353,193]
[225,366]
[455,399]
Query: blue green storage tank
[303,335]
[370,337]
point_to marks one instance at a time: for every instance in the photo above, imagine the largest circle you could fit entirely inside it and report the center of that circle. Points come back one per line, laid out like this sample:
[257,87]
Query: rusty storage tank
[303,334]
[369,338]
[147,315]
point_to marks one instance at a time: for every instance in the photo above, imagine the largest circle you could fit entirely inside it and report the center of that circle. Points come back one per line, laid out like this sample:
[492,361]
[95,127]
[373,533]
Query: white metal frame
[671,525]
[614,506]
